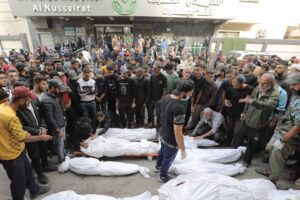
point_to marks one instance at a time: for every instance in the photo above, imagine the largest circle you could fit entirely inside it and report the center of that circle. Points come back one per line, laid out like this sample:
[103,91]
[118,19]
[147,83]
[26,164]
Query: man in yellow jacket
[12,146]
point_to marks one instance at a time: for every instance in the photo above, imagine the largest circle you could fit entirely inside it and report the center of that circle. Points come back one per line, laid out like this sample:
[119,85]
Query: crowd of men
[254,102]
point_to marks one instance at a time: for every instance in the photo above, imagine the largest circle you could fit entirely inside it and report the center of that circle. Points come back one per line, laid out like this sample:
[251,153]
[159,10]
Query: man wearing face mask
[172,119]
[141,96]
[12,146]
[256,115]
[286,135]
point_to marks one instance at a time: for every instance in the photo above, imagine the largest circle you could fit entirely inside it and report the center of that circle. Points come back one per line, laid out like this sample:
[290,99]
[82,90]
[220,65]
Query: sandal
[264,172]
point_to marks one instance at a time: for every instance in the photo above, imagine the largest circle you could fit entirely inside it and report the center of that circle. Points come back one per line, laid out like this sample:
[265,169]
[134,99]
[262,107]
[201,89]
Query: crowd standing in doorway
[54,99]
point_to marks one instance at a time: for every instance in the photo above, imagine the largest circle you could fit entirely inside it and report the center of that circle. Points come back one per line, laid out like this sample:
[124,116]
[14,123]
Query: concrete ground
[117,186]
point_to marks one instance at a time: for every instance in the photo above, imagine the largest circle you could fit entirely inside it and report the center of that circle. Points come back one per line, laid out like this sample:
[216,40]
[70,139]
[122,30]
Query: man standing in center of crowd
[258,110]
[171,136]
[87,91]
[54,117]
[125,99]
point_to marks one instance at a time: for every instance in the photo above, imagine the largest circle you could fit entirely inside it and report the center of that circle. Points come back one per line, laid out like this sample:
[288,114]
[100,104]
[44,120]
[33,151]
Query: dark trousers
[19,172]
[126,113]
[88,109]
[166,156]
[38,153]
[140,114]
[188,113]
[111,106]
[154,106]
[253,137]
[233,126]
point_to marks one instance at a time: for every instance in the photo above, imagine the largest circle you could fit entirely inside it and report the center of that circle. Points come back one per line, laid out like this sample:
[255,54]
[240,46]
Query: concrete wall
[12,26]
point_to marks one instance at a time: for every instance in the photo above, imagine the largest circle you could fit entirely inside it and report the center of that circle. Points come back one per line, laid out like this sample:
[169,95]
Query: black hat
[184,86]
[53,83]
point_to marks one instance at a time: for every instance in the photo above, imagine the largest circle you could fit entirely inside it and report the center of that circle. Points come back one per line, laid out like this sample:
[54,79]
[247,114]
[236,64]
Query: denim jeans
[166,156]
[60,145]
[88,109]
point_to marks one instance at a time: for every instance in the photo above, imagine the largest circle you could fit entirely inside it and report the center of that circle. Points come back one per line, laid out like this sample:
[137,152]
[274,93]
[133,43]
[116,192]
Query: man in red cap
[12,146]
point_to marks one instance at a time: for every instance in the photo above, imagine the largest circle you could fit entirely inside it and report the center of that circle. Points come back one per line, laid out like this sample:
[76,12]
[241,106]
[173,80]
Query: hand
[228,103]
[60,133]
[192,109]
[98,99]
[133,105]
[85,145]
[94,136]
[45,137]
[242,116]
[247,100]
[286,136]
[199,137]
[44,131]
[183,154]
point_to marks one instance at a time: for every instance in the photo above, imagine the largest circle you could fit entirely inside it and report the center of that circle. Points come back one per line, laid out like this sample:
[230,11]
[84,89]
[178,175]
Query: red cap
[22,91]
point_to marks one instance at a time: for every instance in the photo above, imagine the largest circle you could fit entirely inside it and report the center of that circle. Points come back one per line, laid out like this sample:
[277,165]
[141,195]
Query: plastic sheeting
[92,166]
[71,195]
[113,147]
[191,143]
[211,155]
[206,167]
[215,187]
[133,135]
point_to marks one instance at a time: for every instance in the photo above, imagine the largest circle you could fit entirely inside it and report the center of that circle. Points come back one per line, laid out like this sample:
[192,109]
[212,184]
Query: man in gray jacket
[257,114]
[54,116]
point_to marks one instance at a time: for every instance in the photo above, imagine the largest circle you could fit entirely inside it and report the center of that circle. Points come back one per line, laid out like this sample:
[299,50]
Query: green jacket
[258,114]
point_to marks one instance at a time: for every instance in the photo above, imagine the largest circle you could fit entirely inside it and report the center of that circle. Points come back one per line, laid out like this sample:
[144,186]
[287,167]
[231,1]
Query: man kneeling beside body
[210,125]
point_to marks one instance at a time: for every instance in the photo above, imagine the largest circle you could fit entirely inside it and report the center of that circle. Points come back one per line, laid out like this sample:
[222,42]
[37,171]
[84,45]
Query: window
[227,34]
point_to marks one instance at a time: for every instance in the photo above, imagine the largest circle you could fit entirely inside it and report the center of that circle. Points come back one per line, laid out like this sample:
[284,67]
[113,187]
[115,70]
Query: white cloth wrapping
[284,194]
[92,166]
[132,135]
[207,167]
[211,155]
[191,143]
[113,147]
[214,187]
[71,195]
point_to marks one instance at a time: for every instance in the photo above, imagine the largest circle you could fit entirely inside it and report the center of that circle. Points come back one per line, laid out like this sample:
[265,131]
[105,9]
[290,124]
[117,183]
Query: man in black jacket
[54,116]
[141,96]
[103,123]
[33,123]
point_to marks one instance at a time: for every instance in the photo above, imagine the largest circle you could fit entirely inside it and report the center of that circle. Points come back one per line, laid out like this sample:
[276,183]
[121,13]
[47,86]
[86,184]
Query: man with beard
[256,115]
[12,146]
[13,77]
[54,116]
[141,96]
[251,79]
[286,136]
[40,86]
[281,77]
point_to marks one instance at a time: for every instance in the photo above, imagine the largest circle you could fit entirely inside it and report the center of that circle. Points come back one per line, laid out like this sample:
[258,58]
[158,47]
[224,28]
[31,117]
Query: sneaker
[43,189]
[50,168]
[156,170]
[163,179]
[43,179]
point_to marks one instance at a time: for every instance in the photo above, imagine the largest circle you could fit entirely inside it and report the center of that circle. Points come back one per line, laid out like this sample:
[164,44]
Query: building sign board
[212,9]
